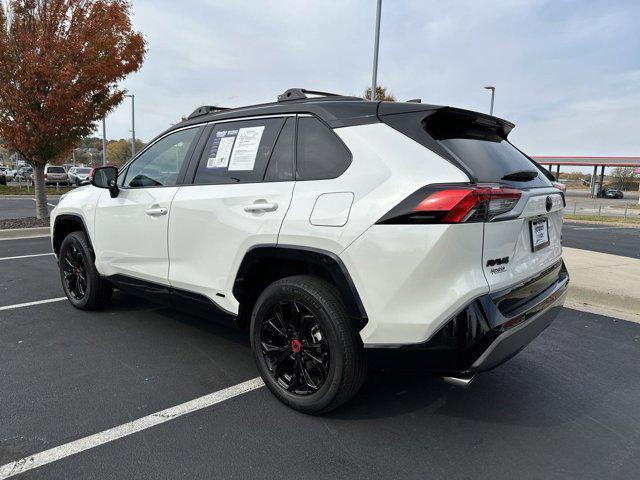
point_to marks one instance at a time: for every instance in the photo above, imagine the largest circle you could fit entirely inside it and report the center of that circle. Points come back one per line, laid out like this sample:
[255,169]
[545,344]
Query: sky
[566,72]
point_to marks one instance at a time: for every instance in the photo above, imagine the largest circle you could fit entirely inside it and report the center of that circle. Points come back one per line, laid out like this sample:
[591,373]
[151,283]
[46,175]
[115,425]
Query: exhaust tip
[462,382]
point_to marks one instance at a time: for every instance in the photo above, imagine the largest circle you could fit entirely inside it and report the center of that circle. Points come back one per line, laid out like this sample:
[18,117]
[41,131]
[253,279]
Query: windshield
[55,170]
[83,170]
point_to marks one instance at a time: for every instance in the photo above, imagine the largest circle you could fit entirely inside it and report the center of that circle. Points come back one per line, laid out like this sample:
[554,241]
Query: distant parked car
[612,193]
[23,174]
[8,172]
[77,175]
[53,175]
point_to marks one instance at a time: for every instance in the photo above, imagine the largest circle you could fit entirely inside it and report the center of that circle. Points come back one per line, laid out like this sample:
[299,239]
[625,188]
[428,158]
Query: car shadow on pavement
[219,326]
[526,391]
[521,393]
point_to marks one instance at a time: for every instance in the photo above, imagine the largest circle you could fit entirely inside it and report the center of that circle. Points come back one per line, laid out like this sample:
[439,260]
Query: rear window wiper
[521,176]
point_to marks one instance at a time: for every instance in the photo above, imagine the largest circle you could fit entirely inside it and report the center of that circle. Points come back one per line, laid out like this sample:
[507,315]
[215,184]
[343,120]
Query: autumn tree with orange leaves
[60,64]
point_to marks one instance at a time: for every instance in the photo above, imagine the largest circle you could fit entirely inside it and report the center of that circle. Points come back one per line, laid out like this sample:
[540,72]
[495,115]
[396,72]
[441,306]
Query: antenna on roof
[299,94]
[205,110]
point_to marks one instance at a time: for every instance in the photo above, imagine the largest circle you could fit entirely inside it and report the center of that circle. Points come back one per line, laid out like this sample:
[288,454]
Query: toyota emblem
[548,203]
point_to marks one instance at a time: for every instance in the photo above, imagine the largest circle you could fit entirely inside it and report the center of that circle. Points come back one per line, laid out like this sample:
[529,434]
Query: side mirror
[106,177]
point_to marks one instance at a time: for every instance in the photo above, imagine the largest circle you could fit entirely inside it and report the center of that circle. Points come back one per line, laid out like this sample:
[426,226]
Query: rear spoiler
[443,113]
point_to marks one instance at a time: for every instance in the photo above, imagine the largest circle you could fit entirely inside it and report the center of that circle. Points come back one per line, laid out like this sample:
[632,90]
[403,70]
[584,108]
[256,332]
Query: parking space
[566,407]
[11,208]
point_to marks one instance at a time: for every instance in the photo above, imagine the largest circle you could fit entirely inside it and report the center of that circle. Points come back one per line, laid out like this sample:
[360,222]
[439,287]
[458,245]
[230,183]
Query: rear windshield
[477,143]
[83,170]
[56,170]
[491,160]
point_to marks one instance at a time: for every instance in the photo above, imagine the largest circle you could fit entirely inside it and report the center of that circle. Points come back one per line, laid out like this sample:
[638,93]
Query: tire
[329,349]
[75,264]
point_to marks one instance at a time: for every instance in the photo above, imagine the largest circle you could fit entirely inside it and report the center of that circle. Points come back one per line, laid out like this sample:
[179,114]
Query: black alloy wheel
[305,344]
[294,348]
[82,283]
[75,272]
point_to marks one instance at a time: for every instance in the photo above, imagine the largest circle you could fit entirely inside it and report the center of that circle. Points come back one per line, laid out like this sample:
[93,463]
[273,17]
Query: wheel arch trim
[56,243]
[314,256]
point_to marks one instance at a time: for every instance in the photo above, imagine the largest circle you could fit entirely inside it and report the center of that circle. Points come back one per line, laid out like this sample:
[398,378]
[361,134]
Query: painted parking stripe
[50,204]
[27,256]
[25,237]
[115,433]
[599,228]
[29,304]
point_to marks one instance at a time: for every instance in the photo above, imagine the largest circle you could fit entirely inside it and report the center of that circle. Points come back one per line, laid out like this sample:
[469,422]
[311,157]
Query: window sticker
[245,151]
[221,148]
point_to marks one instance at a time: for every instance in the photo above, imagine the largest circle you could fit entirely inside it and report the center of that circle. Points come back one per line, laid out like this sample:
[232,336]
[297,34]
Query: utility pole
[104,142]
[374,79]
[133,124]
[493,94]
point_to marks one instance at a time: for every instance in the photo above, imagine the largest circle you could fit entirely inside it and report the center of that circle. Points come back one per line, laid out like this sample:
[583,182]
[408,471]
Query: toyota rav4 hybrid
[329,225]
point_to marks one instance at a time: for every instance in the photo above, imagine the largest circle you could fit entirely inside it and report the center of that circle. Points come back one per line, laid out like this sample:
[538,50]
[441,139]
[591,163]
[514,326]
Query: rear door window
[320,153]
[281,164]
[56,170]
[238,152]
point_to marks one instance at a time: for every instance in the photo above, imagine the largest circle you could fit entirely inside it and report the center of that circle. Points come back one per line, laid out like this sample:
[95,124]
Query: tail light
[93,169]
[560,186]
[45,176]
[453,204]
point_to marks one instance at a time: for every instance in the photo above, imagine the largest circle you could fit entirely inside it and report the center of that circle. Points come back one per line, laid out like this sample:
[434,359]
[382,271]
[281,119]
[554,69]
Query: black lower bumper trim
[481,337]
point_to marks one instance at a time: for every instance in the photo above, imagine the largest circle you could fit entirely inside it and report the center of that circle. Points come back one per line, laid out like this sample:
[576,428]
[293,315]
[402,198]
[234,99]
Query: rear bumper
[521,327]
[484,334]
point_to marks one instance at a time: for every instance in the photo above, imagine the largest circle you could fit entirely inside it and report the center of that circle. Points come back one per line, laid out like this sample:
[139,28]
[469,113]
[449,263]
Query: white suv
[328,226]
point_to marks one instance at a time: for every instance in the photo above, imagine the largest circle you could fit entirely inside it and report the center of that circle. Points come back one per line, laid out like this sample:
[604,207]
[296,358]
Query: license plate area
[539,234]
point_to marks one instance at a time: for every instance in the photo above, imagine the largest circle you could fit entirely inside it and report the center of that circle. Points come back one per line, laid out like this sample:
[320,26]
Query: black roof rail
[299,94]
[205,110]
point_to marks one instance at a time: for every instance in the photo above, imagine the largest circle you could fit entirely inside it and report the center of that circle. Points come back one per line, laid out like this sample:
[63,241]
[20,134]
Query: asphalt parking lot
[21,207]
[566,407]
[623,241]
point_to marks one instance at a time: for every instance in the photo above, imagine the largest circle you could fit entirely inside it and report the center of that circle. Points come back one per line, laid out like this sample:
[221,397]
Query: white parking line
[115,433]
[26,256]
[26,237]
[29,304]
[571,227]
[50,204]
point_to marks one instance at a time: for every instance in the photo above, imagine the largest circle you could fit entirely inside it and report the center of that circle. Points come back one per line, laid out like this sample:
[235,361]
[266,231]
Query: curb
[602,298]
[18,233]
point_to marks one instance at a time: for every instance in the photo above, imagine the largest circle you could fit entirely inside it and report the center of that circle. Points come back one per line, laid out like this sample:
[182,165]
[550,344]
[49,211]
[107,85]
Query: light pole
[374,79]
[493,94]
[133,124]
[104,142]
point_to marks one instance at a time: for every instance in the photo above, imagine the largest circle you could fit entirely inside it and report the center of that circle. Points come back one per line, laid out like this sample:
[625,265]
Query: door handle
[156,212]
[260,207]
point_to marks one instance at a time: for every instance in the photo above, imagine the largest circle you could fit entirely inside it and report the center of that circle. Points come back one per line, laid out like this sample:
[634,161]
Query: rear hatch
[56,173]
[522,231]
